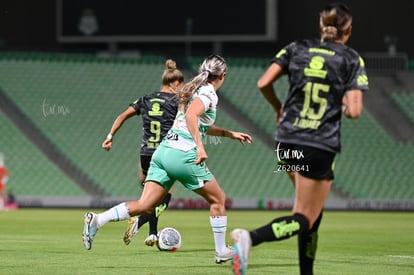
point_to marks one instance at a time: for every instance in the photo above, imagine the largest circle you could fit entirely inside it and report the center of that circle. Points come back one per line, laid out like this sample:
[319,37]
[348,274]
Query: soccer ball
[169,239]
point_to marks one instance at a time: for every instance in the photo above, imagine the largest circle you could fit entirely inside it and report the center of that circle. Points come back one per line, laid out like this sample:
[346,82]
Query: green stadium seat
[31,173]
[405,100]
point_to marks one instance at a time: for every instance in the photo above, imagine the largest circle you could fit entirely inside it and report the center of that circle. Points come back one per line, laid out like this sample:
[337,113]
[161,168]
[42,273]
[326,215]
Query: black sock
[153,217]
[280,229]
[307,242]
[143,219]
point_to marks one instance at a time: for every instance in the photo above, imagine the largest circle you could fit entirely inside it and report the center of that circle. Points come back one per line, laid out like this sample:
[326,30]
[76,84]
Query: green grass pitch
[48,241]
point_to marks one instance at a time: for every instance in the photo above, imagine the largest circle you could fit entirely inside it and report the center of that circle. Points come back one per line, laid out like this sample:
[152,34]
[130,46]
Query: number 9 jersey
[320,73]
[158,111]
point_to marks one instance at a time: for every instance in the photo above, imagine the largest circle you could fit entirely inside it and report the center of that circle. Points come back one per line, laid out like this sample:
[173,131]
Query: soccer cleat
[90,228]
[132,230]
[151,240]
[242,244]
[225,255]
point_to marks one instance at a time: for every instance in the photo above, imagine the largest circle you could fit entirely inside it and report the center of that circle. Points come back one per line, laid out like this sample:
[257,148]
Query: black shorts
[308,161]
[145,163]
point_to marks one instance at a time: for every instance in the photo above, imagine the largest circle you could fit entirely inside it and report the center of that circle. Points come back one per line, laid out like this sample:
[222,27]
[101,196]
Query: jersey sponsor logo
[159,209]
[323,51]
[316,68]
[284,229]
[156,110]
[157,100]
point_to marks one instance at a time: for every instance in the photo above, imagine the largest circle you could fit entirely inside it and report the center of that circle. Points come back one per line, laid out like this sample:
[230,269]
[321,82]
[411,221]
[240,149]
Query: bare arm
[107,143]
[195,109]
[217,131]
[265,85]
[352,103]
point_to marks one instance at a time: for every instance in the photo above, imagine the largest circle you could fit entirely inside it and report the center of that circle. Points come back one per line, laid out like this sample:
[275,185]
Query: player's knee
[218,201]
[221,197]
[140,209]
[217,208]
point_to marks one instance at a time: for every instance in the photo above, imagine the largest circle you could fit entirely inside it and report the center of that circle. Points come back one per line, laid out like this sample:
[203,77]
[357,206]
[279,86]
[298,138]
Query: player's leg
[134,223]
[151,195]
[153,219]
[216,197]
[307,242]
[310,198]
[314,189]
[307,246]
[156,166]
[143,166]
[278,229]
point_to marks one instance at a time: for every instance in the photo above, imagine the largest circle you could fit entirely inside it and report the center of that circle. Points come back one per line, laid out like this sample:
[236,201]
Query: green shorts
[170,164]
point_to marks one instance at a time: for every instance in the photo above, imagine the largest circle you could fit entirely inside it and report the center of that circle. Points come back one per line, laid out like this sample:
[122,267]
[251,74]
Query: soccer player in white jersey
[181,157]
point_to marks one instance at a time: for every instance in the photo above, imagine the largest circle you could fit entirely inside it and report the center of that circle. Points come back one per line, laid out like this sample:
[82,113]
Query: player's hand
[201,155]
[107,144]
[242,137]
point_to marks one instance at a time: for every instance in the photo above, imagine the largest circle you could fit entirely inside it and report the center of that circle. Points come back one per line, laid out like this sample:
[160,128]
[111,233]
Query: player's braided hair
[335,20]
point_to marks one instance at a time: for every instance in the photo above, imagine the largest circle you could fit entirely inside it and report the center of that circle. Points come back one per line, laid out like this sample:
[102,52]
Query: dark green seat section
[31,173]
[372,165]
[74,101]
[405,100]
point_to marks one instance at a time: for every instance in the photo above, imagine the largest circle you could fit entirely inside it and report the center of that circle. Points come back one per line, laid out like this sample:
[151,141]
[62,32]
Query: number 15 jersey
[319,73]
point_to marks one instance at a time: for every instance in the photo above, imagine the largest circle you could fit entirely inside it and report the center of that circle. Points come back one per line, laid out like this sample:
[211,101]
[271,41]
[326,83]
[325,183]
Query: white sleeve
[208,98]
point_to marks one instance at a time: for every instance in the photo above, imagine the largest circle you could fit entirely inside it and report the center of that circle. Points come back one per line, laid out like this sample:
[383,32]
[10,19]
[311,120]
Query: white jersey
[179,136]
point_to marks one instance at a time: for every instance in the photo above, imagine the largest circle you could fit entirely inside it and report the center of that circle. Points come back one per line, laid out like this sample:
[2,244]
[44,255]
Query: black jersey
[319,75]
[158,111]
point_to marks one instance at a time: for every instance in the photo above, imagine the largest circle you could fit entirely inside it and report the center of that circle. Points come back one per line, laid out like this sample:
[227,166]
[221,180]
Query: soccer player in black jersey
[158,111]
[327,79]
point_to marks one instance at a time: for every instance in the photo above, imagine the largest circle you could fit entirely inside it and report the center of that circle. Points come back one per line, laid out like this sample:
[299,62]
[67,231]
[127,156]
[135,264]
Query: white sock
[117,213]
[219,227]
